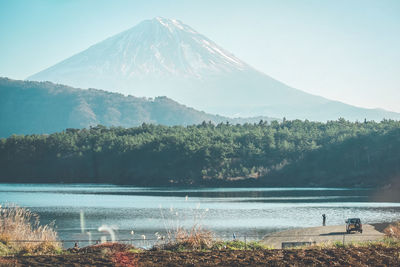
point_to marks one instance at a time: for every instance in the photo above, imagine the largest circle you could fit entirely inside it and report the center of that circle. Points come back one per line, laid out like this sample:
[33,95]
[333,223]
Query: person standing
[323,219]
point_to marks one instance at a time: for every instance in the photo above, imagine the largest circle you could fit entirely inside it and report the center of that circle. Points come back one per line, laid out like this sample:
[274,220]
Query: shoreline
[325,234]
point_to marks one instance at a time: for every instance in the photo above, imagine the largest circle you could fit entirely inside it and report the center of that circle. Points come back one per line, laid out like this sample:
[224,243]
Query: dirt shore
[357,256]
[322,234]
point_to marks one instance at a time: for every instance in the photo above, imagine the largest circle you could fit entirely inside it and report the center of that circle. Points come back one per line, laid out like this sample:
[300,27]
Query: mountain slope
[37,107]
[166,57]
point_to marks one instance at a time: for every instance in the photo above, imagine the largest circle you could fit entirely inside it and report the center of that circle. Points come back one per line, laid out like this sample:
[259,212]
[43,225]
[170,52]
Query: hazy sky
[347,50]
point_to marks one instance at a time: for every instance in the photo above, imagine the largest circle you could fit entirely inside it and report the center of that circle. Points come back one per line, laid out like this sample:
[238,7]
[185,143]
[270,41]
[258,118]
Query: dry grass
[393,230]
[195,238]
[18,225]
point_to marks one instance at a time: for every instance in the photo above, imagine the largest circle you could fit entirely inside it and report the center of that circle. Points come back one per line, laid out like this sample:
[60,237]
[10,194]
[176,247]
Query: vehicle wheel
[360,231]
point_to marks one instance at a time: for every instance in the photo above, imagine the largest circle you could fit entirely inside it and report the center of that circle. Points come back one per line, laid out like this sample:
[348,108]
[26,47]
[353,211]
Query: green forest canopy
[288,153]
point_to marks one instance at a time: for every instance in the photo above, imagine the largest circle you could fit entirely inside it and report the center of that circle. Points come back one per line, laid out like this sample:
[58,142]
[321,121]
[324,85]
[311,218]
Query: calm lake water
[79,210]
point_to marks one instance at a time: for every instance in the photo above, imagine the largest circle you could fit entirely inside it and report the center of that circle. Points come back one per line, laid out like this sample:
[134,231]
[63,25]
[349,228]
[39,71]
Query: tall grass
[21,232]
[179,237]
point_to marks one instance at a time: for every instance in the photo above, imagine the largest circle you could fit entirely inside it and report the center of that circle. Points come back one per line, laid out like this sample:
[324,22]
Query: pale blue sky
[347,50]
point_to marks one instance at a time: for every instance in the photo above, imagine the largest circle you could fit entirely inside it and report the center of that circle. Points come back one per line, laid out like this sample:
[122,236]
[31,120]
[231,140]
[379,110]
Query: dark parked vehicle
[353,224]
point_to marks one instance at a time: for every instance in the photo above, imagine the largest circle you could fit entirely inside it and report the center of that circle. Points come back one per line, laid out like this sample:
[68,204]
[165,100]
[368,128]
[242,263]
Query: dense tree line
[288,153]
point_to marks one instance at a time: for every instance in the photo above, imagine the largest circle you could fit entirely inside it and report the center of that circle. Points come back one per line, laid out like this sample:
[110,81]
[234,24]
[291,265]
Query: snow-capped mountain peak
[157,47]
[170,24]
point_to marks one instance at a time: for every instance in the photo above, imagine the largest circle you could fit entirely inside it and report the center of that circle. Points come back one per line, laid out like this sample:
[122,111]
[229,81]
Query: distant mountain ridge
[43,107]
[167,57]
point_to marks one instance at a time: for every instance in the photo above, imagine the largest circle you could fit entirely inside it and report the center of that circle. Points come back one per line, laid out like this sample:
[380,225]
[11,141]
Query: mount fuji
[165,57]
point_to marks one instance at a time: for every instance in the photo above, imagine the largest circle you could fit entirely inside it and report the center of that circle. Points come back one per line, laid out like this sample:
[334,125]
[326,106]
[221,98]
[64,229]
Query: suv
[353,224]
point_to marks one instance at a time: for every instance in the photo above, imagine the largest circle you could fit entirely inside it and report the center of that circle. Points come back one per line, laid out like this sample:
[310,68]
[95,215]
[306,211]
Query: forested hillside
[43,107]
[290,153]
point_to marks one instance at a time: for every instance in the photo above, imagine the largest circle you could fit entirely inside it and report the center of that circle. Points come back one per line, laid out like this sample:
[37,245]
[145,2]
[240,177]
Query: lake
[80,209]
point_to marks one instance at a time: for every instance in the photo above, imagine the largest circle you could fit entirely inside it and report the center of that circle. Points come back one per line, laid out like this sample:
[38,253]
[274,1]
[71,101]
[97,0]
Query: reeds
[21,232]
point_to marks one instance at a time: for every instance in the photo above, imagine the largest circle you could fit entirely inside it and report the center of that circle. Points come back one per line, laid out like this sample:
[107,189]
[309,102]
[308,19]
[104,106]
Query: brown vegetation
[393,230]
[104,248]
[354,256]
[194,239]
[21,232]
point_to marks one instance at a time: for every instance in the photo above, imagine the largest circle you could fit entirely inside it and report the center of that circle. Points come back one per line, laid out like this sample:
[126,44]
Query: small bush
[337,244]
[391,242]
[18,225]
[104,248]
[393,231]
[239,245]
[196,238]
